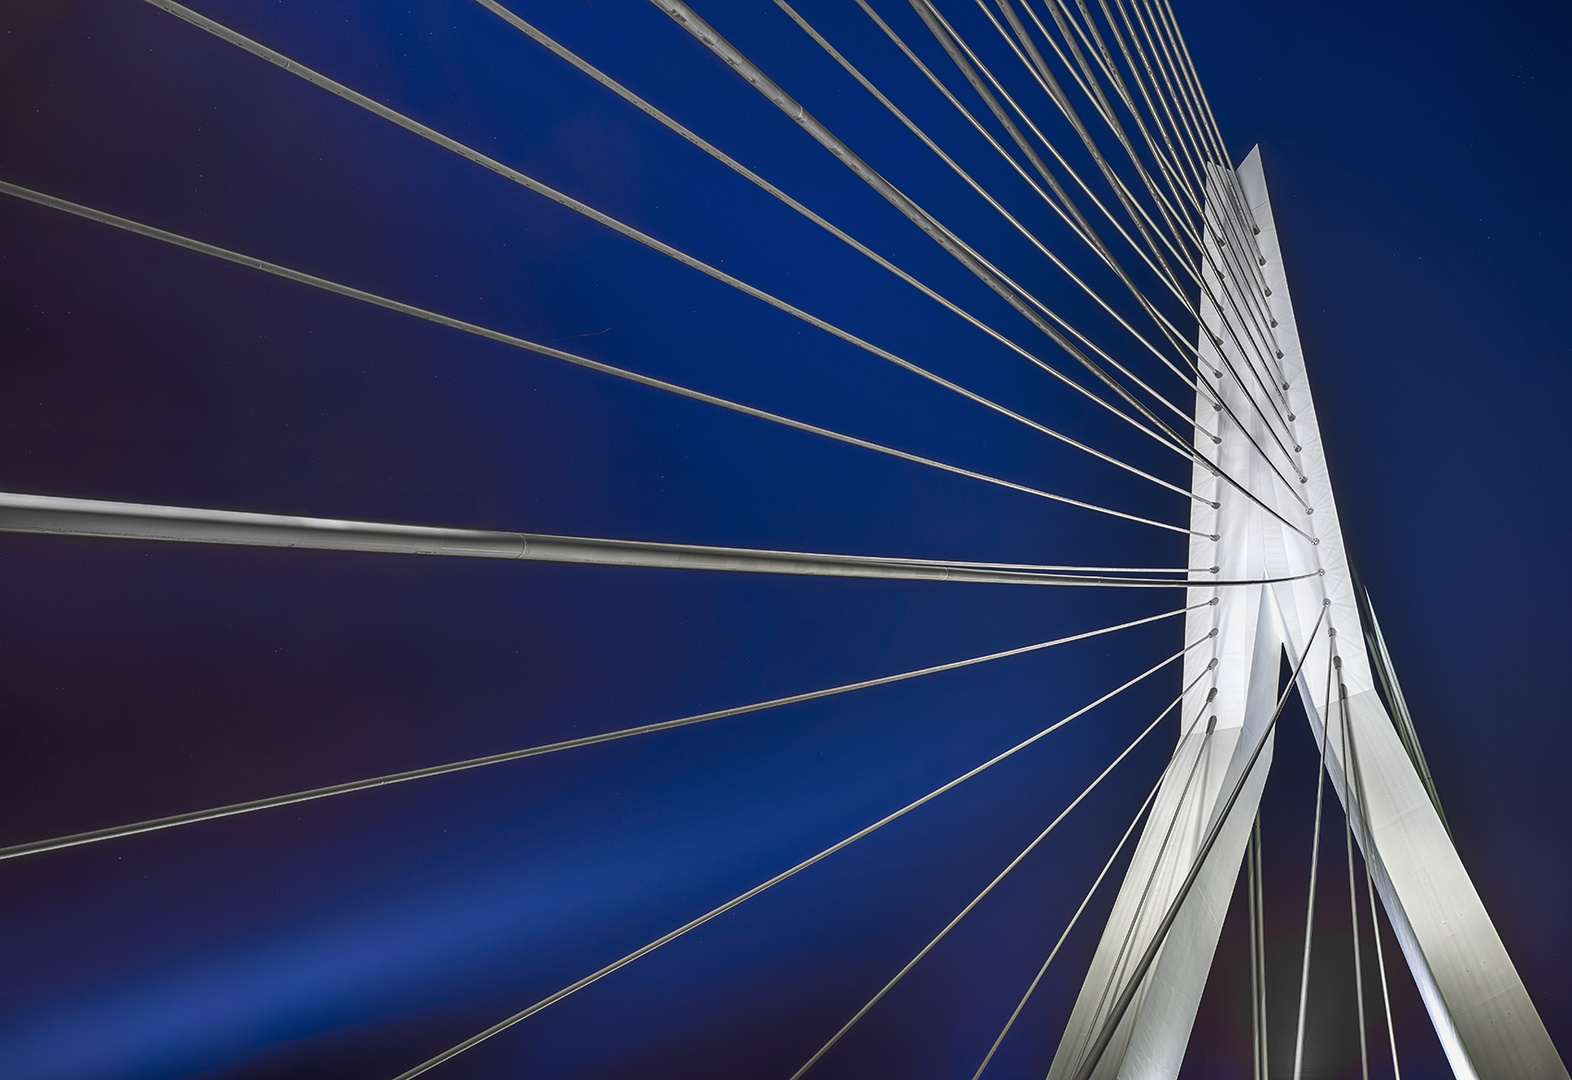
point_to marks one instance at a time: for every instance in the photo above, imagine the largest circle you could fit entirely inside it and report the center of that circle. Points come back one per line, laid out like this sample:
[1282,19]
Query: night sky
[1416,156]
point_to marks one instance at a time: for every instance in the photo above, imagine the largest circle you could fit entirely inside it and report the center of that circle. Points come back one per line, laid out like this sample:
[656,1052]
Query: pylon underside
[1481,1011]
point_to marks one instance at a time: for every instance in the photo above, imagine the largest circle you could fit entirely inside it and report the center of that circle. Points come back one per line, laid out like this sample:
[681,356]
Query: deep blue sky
[1416,156]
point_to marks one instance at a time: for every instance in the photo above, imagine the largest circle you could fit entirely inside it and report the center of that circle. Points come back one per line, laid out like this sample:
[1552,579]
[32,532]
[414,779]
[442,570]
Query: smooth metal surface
[141,521]
[1481,1012]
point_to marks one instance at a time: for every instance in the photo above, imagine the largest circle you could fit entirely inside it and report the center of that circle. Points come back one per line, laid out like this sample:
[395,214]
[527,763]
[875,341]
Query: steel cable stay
[1014,222]
[1249,264]
[1230,186]
[941,29]
[701,30]
[1194,226]
[1031,60]
[1063,18]
[1172,133]
[1010,866]
[1204,108]
[1315,860]
[1171,162]
[1079,224]
[1353,891]
[706,34]
[1138,215]
[1123,955]
[1367,843]
[1105,1034]
[1257,902]
[1176,209]
[1258,334]
[1044,77]
[1201,387]
[1180,228]
[645,950]
[38,847]
[1272,395]
[561,51]
[353,293]
[969,64]
[1182,118]
[1275,394]
[1061,204]
[1087,899]
[1022,300]
[917,61]
[376,108]
[1246,266]
[1035,66]
[1243,213]
[1189,123]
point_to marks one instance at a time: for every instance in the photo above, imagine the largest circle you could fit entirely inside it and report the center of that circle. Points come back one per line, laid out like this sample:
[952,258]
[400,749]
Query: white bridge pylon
[1481,1011]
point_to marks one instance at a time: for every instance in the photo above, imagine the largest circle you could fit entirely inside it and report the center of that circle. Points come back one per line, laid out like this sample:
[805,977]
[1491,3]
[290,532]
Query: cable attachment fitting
[1211,695]
[1214,538]
[1211,723]
[1213,603]
[1322,573]
[1215,570]
[1213,633]
[1261,259]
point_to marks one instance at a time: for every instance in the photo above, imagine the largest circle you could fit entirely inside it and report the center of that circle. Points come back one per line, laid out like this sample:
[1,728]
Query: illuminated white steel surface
[1481,1011]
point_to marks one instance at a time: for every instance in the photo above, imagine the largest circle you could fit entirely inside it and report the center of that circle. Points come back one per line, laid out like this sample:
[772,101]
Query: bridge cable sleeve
[59,516]
[741,898]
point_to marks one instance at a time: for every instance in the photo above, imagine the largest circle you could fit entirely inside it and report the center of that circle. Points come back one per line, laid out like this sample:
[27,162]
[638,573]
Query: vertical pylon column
[1260,422]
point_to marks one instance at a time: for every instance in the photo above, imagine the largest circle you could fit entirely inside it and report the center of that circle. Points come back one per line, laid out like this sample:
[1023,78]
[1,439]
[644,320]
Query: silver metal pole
[58,516]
